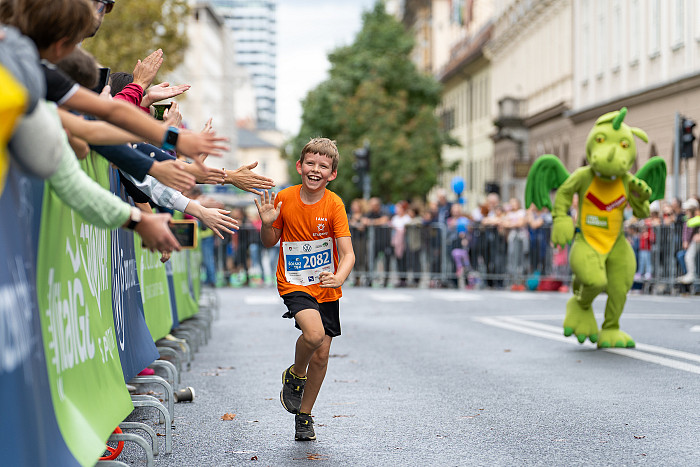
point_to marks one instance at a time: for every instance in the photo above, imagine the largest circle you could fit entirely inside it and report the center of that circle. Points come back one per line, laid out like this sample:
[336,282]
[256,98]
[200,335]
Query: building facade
[532,73]
[547,70]
[645,55]
[209,68]
[254,27]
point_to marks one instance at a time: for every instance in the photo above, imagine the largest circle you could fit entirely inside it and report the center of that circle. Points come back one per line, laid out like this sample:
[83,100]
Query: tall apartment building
[254,27]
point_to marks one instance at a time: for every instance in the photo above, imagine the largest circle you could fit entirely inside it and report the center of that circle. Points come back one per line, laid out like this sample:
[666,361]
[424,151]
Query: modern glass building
[254,27]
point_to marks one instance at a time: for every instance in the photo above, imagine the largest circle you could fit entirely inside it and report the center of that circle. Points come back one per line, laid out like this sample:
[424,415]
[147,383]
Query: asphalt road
[446,377]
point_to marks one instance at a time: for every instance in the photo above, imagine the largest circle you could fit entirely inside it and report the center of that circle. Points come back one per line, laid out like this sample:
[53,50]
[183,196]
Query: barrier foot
[162,382]
[169,352]
[169,369]
[150,401]
[138,440]
[142,426]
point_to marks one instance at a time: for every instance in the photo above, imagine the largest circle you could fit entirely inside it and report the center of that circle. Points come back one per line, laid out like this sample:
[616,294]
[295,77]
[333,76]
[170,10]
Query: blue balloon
[458,184]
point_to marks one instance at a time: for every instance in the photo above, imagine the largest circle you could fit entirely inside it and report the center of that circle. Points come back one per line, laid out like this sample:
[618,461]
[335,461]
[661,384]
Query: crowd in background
[498,244]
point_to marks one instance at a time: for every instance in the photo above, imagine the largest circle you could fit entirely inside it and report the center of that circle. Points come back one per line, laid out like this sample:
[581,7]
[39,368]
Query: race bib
[304,261]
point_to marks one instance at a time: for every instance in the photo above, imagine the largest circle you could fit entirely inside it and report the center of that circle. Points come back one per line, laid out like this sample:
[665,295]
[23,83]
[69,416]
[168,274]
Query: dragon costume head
[610,147]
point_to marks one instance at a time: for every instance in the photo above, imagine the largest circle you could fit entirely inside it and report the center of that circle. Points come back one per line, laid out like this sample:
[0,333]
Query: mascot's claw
[580,321]
[562,231]
[615,338]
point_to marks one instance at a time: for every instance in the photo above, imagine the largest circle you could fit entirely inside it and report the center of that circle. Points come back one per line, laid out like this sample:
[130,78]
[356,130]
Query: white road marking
[695,329]
[267,299]
[390,297]
[452,296]
[644,352]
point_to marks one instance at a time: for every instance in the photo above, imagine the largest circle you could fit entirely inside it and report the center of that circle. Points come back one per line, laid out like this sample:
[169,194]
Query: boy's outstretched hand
[266,208]
[328,280]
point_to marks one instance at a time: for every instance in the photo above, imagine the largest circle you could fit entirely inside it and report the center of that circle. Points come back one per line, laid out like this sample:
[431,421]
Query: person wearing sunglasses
[102,7]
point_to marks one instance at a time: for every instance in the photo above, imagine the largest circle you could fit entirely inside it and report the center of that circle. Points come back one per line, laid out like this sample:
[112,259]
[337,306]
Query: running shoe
[292,390]
[304,427]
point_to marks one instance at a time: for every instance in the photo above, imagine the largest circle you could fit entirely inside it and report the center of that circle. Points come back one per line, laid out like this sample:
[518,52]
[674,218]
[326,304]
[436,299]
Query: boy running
[315,258]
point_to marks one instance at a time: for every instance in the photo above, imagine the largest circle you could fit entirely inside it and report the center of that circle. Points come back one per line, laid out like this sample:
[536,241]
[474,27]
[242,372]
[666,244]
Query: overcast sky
[306,31]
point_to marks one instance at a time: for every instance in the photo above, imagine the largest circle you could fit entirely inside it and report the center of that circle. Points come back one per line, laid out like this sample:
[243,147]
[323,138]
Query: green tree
[135,28]
[375,92]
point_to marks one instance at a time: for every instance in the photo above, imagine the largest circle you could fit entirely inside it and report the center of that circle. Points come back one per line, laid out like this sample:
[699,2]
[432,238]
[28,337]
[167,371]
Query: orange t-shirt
[307,244]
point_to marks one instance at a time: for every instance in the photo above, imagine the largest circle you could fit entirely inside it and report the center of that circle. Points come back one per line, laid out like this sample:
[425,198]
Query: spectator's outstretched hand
[145,71]
[172,116]
[218,220]
[172,173]
[266,207]
[205,174]
[193,145]
[247,180]
[156,234]
[163,91]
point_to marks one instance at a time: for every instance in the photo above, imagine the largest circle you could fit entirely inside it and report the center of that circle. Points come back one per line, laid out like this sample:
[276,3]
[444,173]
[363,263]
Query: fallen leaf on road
[639,437]
[252,421]
[339,416]
[507,350]
[335,355]
[228,416]
[270,398]
[312,457]
[254,458]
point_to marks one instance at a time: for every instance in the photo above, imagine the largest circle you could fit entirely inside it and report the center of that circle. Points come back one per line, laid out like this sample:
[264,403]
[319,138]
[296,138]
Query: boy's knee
[314,338]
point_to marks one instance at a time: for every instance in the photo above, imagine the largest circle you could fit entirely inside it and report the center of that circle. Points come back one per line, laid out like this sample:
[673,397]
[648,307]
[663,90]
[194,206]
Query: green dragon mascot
[601,258]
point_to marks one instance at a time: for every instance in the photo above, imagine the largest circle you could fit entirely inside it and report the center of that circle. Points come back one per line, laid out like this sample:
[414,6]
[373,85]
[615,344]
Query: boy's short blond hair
[323,146]
[48,21]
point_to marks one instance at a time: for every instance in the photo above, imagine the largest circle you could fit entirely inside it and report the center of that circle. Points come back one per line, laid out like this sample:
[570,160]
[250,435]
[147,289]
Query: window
[654,28]
[585,40]
[618,20]
[601,37]
[635,32]
[678,33]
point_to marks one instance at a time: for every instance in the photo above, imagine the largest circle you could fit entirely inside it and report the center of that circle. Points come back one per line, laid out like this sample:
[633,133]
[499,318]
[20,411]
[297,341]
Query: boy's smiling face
[316,171]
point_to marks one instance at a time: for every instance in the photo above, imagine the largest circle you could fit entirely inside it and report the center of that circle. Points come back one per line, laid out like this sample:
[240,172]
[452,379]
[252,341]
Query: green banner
[154,291]
[75,299]
[186,306]
[195,266]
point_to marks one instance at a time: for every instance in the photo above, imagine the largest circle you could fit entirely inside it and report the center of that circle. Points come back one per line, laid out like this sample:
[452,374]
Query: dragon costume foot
[615,338]
[580,322]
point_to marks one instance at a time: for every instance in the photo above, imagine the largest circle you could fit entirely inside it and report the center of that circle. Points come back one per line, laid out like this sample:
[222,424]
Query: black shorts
[329,311]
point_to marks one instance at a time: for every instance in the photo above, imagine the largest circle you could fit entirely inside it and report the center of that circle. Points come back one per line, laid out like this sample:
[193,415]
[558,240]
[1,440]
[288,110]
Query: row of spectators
[159,160]
[501,242]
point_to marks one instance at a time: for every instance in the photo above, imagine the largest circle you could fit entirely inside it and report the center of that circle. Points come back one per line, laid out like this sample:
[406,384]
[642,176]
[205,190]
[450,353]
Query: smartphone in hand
[185,231]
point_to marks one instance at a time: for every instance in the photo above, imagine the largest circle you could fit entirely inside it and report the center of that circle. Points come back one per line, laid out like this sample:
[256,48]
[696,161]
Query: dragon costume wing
[654,174]
[546,174]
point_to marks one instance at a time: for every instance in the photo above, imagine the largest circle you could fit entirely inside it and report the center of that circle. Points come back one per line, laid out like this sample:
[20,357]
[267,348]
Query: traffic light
[362,159]
[687,137]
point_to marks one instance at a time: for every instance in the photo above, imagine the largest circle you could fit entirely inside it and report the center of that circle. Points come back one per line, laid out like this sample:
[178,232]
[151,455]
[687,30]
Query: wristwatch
[134,218]
[170,139]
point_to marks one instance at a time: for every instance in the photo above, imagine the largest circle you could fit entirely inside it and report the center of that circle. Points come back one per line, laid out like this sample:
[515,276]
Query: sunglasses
[105,5]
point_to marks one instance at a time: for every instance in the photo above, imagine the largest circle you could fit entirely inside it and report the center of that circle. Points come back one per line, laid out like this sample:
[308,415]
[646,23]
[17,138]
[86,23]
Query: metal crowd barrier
[481,256]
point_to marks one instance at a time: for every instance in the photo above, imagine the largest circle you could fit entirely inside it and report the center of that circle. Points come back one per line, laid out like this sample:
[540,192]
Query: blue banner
[171,289]
[134,342]
[29,432]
